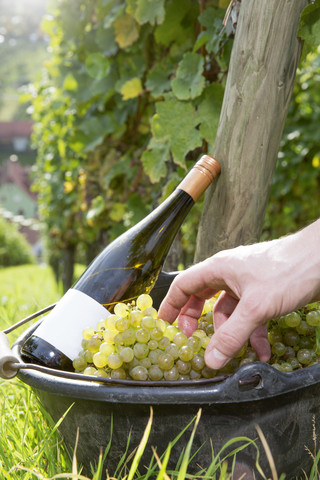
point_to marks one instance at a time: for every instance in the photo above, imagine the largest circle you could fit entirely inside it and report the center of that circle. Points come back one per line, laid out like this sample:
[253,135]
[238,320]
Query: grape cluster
[133,343]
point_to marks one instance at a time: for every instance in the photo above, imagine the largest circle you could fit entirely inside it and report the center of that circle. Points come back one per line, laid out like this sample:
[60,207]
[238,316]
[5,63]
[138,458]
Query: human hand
[258,282]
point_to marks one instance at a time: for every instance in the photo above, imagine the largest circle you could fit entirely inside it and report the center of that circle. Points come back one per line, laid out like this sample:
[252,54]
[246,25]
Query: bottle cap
[200,176]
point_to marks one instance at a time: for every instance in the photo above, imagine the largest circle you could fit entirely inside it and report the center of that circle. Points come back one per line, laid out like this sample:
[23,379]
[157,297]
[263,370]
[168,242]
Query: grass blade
[141,447]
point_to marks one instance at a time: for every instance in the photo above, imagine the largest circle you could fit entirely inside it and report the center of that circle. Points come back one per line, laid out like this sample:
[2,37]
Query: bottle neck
[200,177]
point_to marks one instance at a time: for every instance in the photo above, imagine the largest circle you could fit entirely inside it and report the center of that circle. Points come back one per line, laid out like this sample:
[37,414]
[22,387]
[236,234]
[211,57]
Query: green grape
[170,332]
[305,329]
[101,325]
[108,336]
[150,312]
[186,353]
[313,318]
[152,344]
[106,348]
[278,349]
[154,356]
[155,373]
[114,361]
[141,350]
[145,362]
[194,343]
[94,343]
[292,319]
[305,356]
[289,353]
[171,374]
[209,330]
[194,375]
[88,356]
[100,360]
[144,301]
[165,361]
[203,325]
[79,363]
[101,373]
[197,362]
[180,339]
[209,317]
[148,322]
[282,323]
[118,339]
[111,322]
[87,333]
[207,372]
[89,371]
[121,310]
[129,336]
[173,350]
[135,318]
[84,344]
[163,343]
[274,336]
[291,337]
[183,367]
[294,362]
[161,324]
[198,333]
[119,374]
[306,342]
[156,334]
[143,335]
[126,354]
[184,378]
[139,373]
[286,367]
[122,324]
[204,342]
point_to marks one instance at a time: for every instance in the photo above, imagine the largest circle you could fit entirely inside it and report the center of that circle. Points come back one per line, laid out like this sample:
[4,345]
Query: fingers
[259,341]
[190,283]
[188,318]
[232,333]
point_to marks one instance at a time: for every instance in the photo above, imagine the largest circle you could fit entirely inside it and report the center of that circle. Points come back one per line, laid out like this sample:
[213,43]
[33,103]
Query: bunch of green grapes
[133,343]
[294,339]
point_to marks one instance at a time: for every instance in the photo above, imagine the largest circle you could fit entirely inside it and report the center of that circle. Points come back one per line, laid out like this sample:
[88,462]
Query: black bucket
[285,406]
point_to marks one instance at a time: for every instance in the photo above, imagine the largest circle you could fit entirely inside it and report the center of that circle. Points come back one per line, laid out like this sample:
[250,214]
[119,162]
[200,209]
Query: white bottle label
[63,326]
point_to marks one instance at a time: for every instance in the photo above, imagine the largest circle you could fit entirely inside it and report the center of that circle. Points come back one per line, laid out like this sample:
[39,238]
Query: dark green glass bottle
[127,267]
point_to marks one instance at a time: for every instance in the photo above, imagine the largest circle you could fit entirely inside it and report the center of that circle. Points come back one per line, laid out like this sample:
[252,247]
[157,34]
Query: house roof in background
[10,130]
[13,172]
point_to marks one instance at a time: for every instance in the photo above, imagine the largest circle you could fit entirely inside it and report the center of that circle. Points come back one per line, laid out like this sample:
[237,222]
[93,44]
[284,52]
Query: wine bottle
[127,267]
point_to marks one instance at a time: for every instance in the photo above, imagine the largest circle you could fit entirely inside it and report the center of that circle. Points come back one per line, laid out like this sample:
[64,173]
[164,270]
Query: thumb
[229,338]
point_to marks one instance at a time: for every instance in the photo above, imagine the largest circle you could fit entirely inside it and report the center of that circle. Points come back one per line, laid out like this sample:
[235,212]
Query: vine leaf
[97,65]
[189,82]
[148,11]
[176,123]
[309,28]
[131,89]
[172,29]
[153,160]
[70,83]
[126,31]
[157,80]
[209,108]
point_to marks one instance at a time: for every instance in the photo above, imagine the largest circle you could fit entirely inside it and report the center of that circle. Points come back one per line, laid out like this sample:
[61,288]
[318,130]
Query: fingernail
[215,359]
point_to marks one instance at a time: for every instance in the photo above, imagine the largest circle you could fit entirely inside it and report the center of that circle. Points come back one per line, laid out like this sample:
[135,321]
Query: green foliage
[125,106]
[14,248]
[295,193]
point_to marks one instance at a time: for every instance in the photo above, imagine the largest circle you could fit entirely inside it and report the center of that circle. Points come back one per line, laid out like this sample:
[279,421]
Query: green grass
[30,444]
